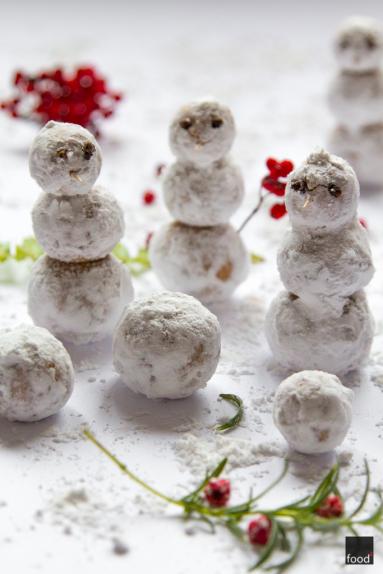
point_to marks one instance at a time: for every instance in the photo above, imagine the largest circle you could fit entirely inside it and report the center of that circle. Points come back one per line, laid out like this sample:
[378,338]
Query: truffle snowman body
[324,264]
[200,254]
[356,98]
[77,291]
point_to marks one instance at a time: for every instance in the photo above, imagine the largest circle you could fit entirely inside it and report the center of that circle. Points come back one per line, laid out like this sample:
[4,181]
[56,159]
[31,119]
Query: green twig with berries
[271,531]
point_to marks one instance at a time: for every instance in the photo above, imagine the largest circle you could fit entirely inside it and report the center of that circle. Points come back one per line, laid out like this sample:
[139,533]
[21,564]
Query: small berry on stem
[331,507]
[259,529]
[217,492]
[278,210]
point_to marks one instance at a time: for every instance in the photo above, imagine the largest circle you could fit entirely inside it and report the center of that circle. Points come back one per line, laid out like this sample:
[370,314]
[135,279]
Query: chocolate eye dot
[370,43]
[299,185]
[186,123]
[62,153]
[334,190]
[216,123]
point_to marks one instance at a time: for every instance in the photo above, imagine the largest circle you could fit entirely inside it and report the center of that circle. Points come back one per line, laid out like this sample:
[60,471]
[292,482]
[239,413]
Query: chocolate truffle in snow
[313,410]
[166,345]
[36,374]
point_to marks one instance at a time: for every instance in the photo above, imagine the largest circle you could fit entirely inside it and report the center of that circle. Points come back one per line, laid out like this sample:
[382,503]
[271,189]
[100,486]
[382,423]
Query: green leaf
[282,566]
[5,252]
[234,421]
[325,488]
[137,264]
[28,249]
[365,492]
[256,258]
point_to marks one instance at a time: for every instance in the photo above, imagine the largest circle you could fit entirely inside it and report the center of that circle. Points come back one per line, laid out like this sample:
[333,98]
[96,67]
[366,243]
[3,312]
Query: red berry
[271,163]
[331,507]
[286,166]
[278,210]
[217,492]
[363,222]
[274,186]
[259,529]
[149,197]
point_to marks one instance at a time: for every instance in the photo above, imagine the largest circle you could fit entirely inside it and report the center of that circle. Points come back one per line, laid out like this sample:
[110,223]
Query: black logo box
[359,550]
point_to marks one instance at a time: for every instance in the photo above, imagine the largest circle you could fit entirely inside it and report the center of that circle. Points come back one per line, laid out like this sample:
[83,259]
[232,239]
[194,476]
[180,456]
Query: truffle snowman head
[202,132]
[322,194]
[65,159]
[359,45]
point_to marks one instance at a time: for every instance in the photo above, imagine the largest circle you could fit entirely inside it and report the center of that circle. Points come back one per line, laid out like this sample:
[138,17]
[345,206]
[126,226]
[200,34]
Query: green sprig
[234,421]
[288,522]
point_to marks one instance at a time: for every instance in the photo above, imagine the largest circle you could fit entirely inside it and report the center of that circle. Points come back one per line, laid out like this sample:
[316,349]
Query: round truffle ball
[322,193]
[78,227]
[65,159]
[203,195]
[359,45]
[79,302]
[166,346]
[301,337]
[202,132]
[206,262]
[36,374]
[363,148]
[313,410]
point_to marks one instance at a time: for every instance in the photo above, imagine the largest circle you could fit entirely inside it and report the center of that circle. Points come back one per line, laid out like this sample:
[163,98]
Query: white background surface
[271,62]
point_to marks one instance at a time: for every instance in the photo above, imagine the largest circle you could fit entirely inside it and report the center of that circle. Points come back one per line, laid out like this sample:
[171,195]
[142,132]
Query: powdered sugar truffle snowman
[200,253]
[322,321]
[78,290]
[356,98]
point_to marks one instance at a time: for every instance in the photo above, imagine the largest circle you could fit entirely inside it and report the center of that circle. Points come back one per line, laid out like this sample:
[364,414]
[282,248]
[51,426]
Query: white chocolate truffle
[78,227]
[364,150]
[65,159]
[313,410]
[322,194]
[36,374]
[323,270]
[356,100]
[79,302]
[203,195]
[359,45]
[302,338]
[206,262]
[166,346]
[202,132]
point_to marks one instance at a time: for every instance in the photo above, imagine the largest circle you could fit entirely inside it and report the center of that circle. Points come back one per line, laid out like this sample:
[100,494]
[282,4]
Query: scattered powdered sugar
[200,454]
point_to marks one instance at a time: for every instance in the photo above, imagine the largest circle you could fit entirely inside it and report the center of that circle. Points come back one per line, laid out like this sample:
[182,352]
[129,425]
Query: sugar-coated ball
[322,193]
[313,410]
[203,195]
[36,374]
[79,302]
[78,227]
[65,159]
[166,345]
[303,337]
[359,45]
[206,262]
[202,132]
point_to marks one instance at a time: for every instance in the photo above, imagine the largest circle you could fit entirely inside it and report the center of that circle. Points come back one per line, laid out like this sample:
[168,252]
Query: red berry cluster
[331,507]
[275,182]
[81,97]
[259,529]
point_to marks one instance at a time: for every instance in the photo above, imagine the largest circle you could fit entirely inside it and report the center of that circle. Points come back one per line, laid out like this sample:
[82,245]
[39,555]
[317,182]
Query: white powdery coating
[36,374]
[363,148]
[167,346]
[313,411]
[359,45]
[203,195]
[322,194]
[302,338]
[202,132]
[206,262]
[356,100]
[65,159]
[79,302]
[323,270]
[78,227]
